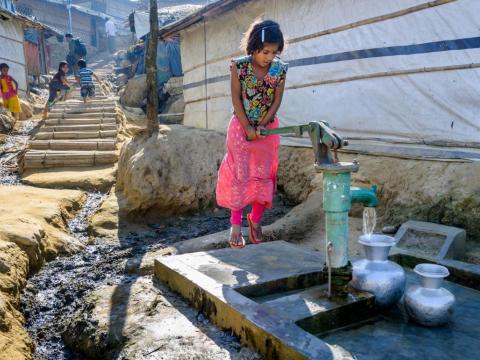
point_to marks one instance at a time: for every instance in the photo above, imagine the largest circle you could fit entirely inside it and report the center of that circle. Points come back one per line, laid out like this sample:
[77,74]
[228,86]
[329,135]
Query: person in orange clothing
[8,90]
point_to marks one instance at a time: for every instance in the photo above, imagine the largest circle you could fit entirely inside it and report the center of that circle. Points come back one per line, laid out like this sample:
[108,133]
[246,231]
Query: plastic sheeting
[163,64]
[142,23]
[169,62]
[405,74]
[11,40]
[32,58]
[174,57]
[8,5]
[32,36]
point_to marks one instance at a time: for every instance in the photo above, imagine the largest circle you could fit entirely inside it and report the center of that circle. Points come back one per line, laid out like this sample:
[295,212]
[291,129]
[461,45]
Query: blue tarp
[7,5]
[163,64]
[31,35]
[169,62]
[174,58]
[141,63]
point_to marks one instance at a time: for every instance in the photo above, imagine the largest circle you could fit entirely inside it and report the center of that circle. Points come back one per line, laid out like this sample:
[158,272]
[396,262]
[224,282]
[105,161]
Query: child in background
[58,84]
[9,90]
[85,79]
[247,175]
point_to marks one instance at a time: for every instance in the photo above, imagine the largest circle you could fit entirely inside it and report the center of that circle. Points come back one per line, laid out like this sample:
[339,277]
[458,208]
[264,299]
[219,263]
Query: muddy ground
[59,290]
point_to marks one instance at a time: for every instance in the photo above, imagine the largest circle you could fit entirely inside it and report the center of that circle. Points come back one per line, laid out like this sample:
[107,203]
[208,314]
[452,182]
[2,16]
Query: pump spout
[367,197]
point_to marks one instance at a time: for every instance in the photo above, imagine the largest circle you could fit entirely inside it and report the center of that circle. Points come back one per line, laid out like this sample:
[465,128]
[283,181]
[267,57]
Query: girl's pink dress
[249,169]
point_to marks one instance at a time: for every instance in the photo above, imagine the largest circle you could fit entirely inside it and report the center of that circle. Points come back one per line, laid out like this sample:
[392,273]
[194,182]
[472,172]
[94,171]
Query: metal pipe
[336,203]
[367,197]
[69,10]
[329,267]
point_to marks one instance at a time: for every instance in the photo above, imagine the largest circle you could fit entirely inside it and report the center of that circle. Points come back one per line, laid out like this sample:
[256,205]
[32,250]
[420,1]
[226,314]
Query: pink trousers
[257,214]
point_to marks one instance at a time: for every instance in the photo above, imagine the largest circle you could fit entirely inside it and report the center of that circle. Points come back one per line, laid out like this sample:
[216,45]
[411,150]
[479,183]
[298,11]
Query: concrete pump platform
[272,296]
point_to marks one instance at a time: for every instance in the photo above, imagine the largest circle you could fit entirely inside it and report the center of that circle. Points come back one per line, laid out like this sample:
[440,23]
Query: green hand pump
[338,196]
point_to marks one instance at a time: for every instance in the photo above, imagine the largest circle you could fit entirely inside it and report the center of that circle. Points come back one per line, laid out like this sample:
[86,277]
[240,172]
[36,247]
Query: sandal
[237,241]
[255,234]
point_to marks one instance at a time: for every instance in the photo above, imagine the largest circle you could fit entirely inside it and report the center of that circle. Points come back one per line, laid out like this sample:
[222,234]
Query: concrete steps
[80,121]
[54,158]
[76,134]
[79,128]
[83,108]
[64,135]
[64,115]
[87,144]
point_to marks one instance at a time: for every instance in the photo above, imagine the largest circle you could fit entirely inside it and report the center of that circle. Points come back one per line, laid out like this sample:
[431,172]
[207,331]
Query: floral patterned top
[258,94]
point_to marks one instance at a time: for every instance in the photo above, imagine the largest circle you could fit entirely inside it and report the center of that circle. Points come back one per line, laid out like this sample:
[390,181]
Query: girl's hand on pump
[259,131]
[251,133]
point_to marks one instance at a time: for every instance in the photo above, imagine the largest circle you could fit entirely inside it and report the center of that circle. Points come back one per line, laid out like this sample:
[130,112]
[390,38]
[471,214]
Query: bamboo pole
[91,121]
[103,134]
[72,145]
[92,127]
[82,116]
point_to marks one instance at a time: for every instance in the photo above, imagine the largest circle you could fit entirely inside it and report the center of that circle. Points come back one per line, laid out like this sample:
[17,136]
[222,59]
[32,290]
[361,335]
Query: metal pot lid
[431,270]
[380,240]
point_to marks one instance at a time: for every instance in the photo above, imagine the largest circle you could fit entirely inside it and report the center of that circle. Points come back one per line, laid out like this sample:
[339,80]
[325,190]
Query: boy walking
[85,79]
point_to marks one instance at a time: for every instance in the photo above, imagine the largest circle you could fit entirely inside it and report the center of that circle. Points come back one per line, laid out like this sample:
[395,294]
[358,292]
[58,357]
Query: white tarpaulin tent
[385,71]
[11,46]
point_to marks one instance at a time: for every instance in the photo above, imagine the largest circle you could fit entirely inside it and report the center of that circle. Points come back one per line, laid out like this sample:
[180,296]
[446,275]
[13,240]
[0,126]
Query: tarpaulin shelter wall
[385,71]
[32,58]
[12,51]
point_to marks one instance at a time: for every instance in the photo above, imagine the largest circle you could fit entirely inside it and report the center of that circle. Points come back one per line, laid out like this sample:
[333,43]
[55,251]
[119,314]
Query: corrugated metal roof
[215,8]
[166,15]
[78,8]
[27,21]
[88,11]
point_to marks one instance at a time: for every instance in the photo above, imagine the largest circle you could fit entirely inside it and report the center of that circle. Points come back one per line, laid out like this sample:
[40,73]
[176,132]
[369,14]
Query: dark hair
[4,66]
[266,30]
[61,64]
[68,35]
[60,73]
[82,64]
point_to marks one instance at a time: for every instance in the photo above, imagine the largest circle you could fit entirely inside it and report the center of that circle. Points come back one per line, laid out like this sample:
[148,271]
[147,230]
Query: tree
[151,67]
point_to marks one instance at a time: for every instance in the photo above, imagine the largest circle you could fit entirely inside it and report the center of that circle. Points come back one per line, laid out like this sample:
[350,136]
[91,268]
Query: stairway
[76,134]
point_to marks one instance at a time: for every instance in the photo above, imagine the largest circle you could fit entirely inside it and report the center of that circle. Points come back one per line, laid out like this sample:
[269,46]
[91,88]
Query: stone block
[431,240]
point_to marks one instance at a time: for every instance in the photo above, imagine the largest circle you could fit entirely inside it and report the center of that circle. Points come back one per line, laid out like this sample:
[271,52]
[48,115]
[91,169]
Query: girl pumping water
[247,175]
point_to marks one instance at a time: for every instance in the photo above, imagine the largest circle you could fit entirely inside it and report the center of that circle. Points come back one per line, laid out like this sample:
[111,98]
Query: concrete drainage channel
[60,288]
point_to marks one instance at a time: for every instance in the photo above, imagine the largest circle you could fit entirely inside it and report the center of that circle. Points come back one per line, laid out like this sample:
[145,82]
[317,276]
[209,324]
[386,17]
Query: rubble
[135,91]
